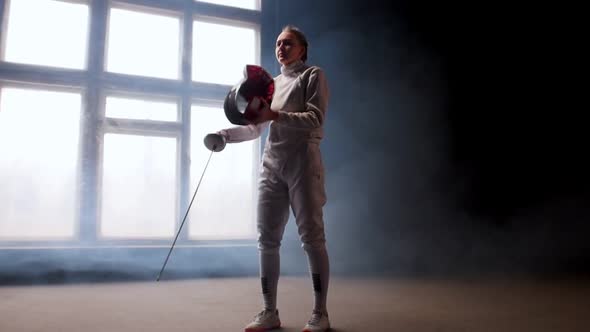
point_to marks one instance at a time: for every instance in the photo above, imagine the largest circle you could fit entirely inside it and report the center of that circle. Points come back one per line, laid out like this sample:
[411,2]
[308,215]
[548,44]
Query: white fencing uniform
[292,174]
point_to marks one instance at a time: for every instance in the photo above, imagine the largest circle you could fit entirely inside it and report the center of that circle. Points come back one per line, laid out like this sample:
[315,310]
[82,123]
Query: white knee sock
[319,268]
[270,263]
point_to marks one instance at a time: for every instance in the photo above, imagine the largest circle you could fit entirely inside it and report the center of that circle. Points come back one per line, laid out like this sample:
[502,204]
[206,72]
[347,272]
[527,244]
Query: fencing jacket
[301,99]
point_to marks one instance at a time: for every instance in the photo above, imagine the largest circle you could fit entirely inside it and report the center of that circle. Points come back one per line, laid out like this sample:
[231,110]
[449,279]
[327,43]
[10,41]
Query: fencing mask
[256,82]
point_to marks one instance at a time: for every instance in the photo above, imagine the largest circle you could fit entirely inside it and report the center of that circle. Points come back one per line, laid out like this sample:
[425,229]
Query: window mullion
[92,119]
[186,45]
[3,25]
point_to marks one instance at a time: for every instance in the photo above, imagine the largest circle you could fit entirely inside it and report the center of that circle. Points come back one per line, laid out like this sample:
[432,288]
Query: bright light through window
[224,207]
[220,52]
[125,108]
[246,4]
[139,187]
[39,135]
[48,33]
[143,44]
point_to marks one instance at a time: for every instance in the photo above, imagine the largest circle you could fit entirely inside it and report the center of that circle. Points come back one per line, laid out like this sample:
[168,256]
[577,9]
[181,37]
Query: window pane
[39,133]
[221,52]
[139,186]
[125,108]
[143,44]
[225,205]
[246,4]
[49,33]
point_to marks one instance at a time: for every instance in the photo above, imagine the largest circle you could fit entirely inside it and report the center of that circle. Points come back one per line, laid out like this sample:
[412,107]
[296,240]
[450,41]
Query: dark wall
[448,149]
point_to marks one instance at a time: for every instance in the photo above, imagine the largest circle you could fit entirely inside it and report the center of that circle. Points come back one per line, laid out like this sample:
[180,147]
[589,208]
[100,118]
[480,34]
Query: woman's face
[288,49]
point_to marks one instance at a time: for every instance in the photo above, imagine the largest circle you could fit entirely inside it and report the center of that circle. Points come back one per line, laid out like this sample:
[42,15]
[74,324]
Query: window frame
[95,84]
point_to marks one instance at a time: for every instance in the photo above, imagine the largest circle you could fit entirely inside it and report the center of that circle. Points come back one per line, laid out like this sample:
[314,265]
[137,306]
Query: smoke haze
[438,158]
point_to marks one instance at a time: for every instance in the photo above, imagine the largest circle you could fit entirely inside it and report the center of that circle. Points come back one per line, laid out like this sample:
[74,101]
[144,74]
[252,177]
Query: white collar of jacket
[292,68]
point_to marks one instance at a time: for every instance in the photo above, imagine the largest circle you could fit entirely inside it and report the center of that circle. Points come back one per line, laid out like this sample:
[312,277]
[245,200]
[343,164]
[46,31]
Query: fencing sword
[186,214]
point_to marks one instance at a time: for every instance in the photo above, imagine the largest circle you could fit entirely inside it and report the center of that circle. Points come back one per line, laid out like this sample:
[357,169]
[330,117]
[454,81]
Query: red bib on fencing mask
[257,82]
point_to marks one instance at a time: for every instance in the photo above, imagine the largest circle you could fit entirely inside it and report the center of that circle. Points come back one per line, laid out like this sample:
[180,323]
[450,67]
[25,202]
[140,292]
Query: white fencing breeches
[296,181]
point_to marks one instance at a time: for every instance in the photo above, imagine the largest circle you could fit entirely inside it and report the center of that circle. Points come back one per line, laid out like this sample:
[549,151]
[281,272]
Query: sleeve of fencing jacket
[243,133]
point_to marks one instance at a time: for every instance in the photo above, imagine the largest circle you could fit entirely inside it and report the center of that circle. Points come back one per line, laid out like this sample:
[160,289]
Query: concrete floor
[355,305]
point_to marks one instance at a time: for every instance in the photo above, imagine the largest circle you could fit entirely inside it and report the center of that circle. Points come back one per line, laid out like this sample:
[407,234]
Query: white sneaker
[266,320]
[319,322]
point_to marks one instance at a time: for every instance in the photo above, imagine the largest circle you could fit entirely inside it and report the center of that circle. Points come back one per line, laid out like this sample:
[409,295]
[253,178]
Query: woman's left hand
[259,111]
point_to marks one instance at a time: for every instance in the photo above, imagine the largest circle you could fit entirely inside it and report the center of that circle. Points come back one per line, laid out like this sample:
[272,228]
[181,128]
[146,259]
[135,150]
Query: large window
[103,109]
